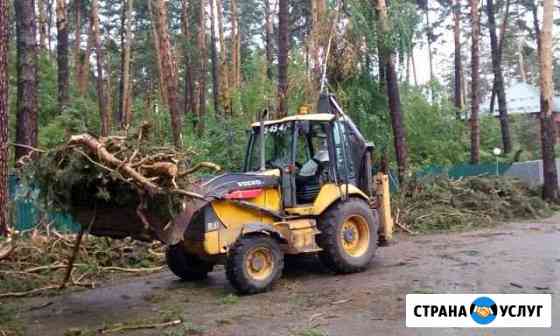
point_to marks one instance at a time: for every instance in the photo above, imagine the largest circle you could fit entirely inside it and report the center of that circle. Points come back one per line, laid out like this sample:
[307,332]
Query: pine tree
[169,69]
[101,97]
[62,54]
[475,78]
[283,52]
[458,98]
[548,129]
[499,88]
[392,90]
[26,31]
[125,111]
[4,43]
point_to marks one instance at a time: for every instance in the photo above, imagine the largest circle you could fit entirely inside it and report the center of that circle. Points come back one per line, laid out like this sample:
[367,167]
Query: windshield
[278,147]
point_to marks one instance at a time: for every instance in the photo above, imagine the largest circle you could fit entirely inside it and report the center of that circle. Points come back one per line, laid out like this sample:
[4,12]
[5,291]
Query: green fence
[27,215]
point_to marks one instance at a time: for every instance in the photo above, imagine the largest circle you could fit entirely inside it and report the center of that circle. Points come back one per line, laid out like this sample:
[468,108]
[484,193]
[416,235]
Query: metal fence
[530,172]
[27,215]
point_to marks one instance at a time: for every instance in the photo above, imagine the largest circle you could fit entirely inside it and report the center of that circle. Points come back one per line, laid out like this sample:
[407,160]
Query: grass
[312,332]
[422,291]
[230,299]
[80,332]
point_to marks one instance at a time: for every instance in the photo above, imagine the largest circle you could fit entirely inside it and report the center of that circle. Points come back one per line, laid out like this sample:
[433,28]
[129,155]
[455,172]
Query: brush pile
[37,263]
[472,202]
[118,180]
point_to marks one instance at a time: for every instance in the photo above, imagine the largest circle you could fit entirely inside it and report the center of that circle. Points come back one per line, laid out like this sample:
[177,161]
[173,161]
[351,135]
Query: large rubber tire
[241,259]
[333,226]
[186,266]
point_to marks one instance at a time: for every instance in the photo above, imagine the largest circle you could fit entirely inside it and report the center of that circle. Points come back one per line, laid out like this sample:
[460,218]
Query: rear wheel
[186,266]
[254,263]
[348,236]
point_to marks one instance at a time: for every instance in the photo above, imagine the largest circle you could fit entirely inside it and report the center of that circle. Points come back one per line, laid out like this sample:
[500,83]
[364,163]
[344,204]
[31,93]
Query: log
[97,147]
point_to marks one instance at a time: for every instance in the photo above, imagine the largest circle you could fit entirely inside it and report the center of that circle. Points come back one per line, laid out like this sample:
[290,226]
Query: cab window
[344,163]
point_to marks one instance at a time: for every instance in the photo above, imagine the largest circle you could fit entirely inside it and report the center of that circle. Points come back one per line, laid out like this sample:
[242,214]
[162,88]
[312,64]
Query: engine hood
[223,184]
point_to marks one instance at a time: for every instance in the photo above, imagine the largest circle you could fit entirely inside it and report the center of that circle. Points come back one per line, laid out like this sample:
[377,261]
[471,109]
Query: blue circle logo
[483,310]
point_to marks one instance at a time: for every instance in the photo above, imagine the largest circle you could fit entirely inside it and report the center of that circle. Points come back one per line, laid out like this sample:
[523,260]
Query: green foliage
[223,142]
[434,134]
[81,116]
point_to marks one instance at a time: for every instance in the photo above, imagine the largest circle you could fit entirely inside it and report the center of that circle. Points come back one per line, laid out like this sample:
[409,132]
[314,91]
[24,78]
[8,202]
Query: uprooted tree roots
[444,204]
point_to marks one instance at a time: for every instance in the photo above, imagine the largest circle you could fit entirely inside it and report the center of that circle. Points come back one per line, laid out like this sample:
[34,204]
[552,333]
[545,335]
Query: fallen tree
[119,186]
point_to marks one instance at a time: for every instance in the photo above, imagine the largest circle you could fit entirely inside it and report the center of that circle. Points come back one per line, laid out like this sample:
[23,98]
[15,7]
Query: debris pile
[472,202]
[121,180]
[38,262]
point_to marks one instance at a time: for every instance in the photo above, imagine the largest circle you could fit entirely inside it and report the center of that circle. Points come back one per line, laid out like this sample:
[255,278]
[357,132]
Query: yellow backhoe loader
[307,187]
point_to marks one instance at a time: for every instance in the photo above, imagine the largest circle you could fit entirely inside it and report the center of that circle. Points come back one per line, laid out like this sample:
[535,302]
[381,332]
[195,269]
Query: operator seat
[308,179]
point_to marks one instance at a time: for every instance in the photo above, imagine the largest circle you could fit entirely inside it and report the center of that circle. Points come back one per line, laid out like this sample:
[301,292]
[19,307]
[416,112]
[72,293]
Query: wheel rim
[354,236]
[259,263]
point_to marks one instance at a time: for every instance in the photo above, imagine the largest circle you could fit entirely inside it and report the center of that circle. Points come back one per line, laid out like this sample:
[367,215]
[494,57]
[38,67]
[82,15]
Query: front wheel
[186,266]
[348,236]
[254,263]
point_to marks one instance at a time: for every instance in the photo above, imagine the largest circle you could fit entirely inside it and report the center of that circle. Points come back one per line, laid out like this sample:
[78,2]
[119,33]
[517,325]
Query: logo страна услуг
[478,310]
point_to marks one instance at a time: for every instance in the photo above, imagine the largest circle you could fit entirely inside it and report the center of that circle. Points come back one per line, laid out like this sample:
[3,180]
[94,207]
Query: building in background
[522,98]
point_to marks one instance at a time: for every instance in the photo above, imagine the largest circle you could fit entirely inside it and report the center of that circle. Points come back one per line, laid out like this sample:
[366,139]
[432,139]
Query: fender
[262,228]
[331,193]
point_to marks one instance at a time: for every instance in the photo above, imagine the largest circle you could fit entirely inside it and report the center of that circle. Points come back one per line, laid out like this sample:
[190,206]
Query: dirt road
[308,301]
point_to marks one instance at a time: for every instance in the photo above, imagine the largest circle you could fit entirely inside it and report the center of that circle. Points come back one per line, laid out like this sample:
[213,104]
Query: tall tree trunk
[203,70]
[169,69]
[475,78]
[430,49]
[4,154]
[225,97]
[548,131]
[413,61]
[50,20]
[162,91]
[109,87]
[26,123]
[187,54]
[82,72]
[283,53]
[62,54]
[77,35]
[318,9]
[101,97]
[125,112]
[42,21]
[457,90]
[536,26]
[397,123]
[236,47]
[269,33]
[498,75]
[215,58]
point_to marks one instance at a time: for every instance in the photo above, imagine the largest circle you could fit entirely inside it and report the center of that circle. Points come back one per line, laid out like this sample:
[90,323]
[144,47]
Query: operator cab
[309,150]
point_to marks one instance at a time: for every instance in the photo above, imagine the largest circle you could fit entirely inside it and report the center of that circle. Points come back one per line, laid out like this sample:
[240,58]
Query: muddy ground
[308,301]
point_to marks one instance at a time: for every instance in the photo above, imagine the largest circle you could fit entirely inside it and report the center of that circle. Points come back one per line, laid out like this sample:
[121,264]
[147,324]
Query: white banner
[478,310]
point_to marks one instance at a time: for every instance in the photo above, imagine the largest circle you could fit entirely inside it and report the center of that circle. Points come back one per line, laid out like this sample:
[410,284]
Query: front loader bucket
[136,220]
